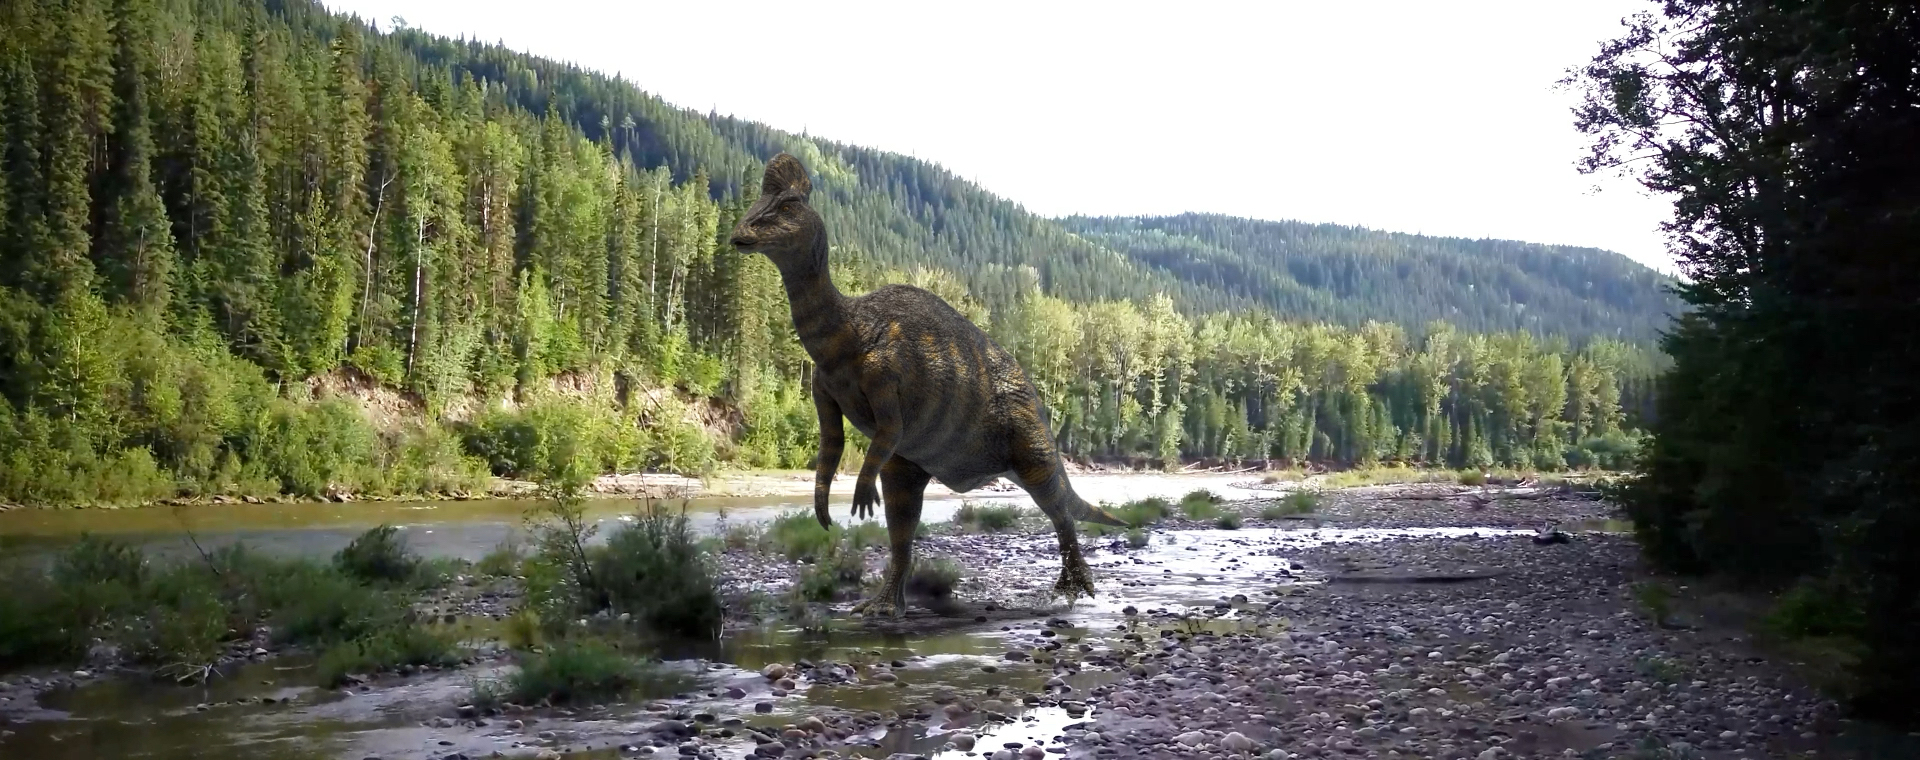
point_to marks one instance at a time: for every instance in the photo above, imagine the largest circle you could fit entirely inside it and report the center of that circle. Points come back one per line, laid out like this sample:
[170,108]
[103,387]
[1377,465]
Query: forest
[1349,275]
[1786,457]
[258,248]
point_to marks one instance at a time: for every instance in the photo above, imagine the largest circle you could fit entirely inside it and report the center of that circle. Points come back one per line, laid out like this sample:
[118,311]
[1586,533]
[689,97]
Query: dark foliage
[1788,446]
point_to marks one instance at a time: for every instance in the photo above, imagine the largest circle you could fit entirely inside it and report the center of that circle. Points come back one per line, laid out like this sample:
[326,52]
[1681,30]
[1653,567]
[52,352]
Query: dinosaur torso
[956,389]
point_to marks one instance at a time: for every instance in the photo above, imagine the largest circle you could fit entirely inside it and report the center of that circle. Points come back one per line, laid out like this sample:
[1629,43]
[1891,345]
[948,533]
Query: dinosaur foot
[1075,582]
[882,605]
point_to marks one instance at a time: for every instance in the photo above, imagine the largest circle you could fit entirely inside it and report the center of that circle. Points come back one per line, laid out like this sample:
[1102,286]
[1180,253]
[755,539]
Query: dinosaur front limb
[886,435]
[833,439]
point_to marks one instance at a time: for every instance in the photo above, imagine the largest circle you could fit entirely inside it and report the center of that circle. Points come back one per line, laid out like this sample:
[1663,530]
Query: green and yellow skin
[935,395]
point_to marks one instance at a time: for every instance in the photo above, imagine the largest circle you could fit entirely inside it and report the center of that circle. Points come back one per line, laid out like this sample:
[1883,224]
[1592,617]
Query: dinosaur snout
[741,239]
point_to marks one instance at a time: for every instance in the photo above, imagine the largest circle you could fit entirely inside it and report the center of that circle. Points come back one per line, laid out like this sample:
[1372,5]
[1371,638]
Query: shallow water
[1182,578]
[470,528]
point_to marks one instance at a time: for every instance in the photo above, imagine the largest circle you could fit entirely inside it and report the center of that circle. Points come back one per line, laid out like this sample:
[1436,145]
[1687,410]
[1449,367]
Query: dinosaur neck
[819,310]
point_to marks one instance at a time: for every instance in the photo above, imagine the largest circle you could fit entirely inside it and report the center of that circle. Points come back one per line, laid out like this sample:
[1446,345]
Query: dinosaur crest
[785,173]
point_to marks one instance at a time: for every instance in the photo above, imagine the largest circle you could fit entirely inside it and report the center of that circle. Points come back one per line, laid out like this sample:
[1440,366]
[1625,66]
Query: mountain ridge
[898,211]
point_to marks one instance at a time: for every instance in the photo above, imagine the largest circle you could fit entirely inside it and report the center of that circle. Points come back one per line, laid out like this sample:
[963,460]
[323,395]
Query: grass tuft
[988,519]
[936,578]
[585,671]
[1200,505]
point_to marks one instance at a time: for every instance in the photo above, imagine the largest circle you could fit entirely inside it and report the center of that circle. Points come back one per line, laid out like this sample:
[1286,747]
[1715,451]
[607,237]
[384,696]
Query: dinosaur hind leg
[903,485]
[1041,473]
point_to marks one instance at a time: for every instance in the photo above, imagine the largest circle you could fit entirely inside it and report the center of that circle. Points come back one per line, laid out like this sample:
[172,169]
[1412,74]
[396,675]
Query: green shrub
[988,519]
[93,559]
[504,560]
[817,583]
[312,449]
[1144,512]
[1137,538]
[378,555]
[654,568]
[1295,503]
[1655,599]
[865,534]
[430,459]
[522,630]
[1472,478]
[310,604]
[184,635]
[1228,521]
[1817,608]
[385,650]
[935,577]
[587,671]
[1200,505]
[38,622]
[799,537]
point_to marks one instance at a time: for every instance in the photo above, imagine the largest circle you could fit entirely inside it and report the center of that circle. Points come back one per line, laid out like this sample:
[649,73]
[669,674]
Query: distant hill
[898,212]
[1352,274]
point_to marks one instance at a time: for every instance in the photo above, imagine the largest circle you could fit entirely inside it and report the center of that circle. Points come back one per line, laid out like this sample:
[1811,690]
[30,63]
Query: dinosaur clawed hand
[865,498]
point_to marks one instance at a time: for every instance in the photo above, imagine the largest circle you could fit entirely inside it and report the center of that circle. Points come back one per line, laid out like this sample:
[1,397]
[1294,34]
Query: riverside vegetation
[586,616]
[255,248]
[1786,456]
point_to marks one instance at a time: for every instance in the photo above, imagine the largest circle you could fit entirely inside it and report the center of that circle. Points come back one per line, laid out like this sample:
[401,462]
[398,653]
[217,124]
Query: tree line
[1787,453]
[222,215]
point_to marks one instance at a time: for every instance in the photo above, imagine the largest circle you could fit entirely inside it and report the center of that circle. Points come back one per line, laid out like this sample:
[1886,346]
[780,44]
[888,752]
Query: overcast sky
[1416,116]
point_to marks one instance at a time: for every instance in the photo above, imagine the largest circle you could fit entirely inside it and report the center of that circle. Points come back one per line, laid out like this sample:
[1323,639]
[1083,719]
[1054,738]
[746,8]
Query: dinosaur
[936,396]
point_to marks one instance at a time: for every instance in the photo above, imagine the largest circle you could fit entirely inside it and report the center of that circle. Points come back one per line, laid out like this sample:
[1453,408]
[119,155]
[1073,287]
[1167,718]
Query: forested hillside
[259,248]
[1350,274]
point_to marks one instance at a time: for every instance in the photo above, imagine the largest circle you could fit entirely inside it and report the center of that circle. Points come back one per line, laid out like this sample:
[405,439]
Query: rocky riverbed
[1378,627]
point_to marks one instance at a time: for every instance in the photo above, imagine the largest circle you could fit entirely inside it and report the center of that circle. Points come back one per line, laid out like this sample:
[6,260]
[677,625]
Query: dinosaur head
[781,225]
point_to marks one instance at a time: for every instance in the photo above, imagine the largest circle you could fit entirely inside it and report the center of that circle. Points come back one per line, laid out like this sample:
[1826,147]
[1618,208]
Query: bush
[1137,538]
[1472,478]
[654,568]
[799,537]
[385,650]
[1200,505]
[935,578]
[505,559]
[587,671]
[1817,608]
[1295,503]
[987,519]
[93,559]
[38,622]
[1228,521]
[310,604]
[1144,512]
[378,555]
[522,630]
[866,534]
[430,459]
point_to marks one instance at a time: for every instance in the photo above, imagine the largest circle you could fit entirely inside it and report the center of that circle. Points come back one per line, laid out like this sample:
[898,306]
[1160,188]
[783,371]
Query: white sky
[1417,116]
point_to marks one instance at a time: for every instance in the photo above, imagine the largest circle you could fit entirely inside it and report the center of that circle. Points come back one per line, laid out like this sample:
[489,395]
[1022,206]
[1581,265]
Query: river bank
[1340,640]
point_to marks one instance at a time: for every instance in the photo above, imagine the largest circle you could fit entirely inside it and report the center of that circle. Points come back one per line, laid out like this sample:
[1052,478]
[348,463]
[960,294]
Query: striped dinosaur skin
[935,395]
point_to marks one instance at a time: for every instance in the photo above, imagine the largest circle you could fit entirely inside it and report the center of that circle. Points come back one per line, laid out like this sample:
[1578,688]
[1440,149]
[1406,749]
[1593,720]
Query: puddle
[1182,579]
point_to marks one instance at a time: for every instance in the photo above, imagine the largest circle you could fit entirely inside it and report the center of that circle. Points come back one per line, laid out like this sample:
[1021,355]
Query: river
[468,529]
